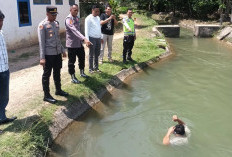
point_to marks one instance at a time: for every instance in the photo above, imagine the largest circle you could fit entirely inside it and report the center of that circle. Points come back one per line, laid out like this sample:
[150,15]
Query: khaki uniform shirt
[74,38]
[49,39]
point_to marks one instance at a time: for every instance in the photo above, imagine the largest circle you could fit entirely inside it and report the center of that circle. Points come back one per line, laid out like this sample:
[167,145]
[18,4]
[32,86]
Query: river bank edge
[64,116]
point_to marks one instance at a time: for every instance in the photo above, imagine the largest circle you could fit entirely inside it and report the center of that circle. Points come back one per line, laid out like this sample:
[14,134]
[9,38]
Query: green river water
[195,84]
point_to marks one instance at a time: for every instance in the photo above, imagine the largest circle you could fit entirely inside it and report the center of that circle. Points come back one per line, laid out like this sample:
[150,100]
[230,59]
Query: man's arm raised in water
[166,139]
[176,119]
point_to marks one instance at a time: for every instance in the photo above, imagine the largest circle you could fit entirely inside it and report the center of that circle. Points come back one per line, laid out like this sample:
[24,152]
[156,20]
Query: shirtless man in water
[180,132]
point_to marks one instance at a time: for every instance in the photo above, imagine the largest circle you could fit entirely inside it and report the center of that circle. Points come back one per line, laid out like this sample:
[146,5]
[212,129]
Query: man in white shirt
[93,34]
[4,77]
[180,132]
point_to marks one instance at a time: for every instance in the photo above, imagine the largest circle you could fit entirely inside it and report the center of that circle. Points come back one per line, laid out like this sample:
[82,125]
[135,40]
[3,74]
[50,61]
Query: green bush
[86,8]
[122,10]
[114,5]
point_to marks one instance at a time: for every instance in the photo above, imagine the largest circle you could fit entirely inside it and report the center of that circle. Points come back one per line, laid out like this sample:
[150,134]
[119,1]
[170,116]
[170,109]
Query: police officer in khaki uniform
[50,53]
[74,40]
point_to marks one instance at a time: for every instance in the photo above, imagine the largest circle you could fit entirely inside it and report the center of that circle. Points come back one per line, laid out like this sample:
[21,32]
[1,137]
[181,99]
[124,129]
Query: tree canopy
[192,8]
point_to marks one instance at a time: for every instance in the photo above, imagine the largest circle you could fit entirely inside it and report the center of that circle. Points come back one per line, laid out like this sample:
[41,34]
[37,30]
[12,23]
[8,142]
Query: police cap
[52,10]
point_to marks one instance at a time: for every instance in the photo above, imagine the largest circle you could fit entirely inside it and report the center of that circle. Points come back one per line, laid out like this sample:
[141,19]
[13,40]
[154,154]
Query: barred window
[24,13]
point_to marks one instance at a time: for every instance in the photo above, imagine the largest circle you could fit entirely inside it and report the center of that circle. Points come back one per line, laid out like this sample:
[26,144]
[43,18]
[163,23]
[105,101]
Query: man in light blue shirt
[4,77]
[93,34]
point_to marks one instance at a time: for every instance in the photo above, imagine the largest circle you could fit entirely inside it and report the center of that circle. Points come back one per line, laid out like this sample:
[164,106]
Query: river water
[195,84]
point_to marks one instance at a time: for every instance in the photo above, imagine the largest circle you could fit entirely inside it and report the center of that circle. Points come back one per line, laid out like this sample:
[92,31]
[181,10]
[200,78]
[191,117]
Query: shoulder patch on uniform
[41,27]
[70,22]
[57,22]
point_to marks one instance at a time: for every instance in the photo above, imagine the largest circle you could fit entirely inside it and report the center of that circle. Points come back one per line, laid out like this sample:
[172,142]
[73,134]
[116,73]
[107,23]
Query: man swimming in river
[180,132]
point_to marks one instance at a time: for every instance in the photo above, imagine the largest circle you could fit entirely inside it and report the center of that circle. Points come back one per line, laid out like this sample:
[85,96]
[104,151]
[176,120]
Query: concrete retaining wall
[205,30]
[169,30]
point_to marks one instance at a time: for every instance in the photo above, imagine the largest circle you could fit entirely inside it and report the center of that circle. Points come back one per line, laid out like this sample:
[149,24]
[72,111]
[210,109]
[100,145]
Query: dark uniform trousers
[53,62]
[72,53]
[128,43]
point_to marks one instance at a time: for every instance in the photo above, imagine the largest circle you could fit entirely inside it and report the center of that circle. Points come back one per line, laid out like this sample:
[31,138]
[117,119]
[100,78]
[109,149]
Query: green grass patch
[30,136]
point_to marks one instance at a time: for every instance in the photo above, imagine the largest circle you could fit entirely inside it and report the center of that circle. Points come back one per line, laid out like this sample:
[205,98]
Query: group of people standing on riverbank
[98,32]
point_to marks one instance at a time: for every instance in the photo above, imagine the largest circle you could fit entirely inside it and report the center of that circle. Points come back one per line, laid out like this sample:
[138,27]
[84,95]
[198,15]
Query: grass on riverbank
[29,136]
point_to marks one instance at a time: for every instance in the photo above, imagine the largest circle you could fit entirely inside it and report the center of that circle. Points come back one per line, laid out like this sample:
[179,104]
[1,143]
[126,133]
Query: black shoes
[74,79]
[130,59]
[124,61]
[49,99]
[95,71]
[61,93]
[98,71]
[7,120]
[82,74]
[91,71]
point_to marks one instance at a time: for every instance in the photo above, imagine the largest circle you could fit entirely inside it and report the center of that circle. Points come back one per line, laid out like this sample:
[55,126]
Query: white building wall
[16,36]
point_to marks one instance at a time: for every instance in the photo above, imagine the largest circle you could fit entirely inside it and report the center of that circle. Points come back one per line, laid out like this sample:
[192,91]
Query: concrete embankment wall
[169,30]
[200,30]
[205,30]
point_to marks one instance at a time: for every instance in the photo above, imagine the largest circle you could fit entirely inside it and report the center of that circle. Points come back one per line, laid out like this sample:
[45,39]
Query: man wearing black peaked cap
[51,51]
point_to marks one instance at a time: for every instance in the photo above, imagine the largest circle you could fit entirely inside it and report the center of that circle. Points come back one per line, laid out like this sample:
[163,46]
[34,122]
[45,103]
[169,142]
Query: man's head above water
[179,129]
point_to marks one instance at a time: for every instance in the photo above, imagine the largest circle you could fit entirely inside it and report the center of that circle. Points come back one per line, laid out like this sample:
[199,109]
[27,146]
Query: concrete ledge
[66,115]
[224,33]
[205,30]
[157,33]
[169,30]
